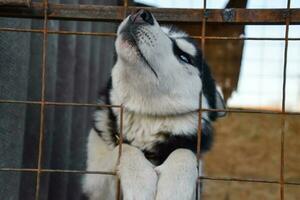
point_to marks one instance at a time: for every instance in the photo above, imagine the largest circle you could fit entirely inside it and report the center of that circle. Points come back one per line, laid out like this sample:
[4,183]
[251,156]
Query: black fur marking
[209,90]
[161,150]
[209,86]
[112,124]
[112,120]
[178,52]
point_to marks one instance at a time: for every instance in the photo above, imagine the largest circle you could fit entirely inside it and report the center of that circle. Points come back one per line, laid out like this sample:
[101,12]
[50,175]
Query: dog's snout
[142,16]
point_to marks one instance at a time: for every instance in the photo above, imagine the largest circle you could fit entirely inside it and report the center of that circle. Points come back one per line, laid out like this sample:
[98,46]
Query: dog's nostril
[142,16]
[147,17]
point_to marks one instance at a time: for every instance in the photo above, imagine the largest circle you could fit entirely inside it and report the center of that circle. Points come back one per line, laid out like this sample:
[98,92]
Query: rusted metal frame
[24,170]
[108,34]
[230,179]
[203,29]
[199,130]
[268,112]
[287,19]
[121,113]
[282,156]
[253,111]
[229,110]
[198,155]
[111,34]
[115,13]
[55,171]
[15,3]
[118,192]
[53,103]
[242,38]
[283,118]
[42,105]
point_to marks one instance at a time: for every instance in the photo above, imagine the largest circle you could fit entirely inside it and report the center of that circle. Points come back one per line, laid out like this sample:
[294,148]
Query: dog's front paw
[138,178]
[177,176]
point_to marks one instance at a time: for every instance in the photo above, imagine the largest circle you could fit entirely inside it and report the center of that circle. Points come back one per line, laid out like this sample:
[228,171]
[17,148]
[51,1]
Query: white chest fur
[144,130]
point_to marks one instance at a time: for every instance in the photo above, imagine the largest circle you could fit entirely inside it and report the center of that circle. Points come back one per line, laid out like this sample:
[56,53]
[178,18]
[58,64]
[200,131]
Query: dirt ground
[248,146]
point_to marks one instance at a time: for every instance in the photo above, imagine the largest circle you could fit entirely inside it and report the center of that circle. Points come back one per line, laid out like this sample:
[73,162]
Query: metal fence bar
[59,103]
[47,11]
[229,110]
[116,13]
[283,120]
[15,3]
[254,111]
[57,171]
[121,113]
[119,191]
[199,132]
[287,21]
[110,34]
[42,108]
[235,179]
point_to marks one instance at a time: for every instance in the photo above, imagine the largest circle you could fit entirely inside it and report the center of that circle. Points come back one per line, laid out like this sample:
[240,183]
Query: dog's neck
[203,115]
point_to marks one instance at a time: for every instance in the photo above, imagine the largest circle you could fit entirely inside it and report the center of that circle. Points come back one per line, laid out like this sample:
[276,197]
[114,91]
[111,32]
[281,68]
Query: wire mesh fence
[48,11]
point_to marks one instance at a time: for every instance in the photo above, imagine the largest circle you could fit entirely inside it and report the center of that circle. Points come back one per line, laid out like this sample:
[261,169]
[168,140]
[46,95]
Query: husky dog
[158,77]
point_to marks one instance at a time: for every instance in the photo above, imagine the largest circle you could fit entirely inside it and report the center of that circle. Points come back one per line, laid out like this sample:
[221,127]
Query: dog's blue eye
[185,58]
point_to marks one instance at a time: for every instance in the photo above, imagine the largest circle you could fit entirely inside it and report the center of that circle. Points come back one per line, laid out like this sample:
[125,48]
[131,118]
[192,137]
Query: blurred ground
[248,146]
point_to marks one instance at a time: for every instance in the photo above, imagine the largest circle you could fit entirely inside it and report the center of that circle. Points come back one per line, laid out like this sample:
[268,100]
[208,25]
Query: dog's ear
[220,103]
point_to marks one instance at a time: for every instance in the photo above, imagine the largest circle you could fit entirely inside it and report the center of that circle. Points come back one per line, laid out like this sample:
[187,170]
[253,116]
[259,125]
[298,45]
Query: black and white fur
[158,77]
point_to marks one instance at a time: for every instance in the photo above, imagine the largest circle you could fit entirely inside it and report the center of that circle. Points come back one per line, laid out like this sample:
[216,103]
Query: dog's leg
[100,158]
[177,176]
[138,177]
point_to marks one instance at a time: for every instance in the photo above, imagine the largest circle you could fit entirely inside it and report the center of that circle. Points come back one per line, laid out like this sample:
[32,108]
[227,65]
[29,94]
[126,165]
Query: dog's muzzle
[142,17]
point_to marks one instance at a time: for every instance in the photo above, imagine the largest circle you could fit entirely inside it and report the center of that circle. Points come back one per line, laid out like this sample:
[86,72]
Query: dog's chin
[127,50]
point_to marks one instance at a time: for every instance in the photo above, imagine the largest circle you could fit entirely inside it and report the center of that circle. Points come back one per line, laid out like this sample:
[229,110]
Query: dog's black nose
[142,16]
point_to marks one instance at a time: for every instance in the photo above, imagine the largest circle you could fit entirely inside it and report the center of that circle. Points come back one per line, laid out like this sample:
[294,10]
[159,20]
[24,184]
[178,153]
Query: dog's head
[160,70]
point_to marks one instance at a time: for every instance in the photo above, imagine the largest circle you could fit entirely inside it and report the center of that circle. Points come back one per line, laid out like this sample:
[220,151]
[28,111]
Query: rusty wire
[116,14]
[235,179]
[204,16]
[112,34]
[15,3]
[228,110]
[42,110]
[283,120]
[121,113]
[56,171]
[199,131]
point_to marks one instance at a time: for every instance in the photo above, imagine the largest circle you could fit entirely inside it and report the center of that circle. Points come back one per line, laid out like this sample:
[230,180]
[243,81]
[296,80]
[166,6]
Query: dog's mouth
[131,36]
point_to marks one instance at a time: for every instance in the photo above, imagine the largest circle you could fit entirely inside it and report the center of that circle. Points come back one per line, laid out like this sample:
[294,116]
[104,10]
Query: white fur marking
[186,46]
